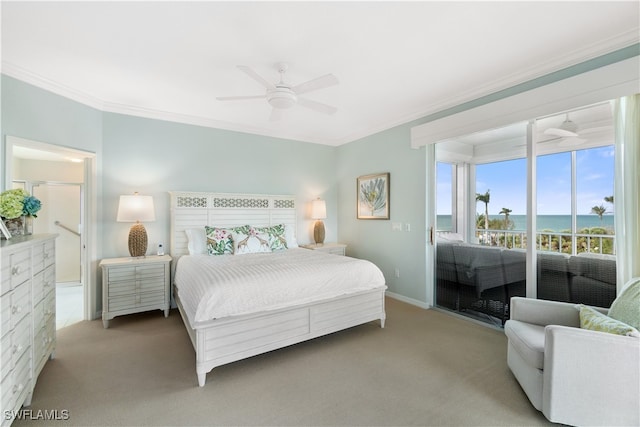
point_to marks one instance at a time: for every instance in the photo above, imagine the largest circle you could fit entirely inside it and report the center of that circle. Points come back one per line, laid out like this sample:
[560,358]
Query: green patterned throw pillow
[277,237]
[249,240]
[626,307]
[219,241]
[594,320]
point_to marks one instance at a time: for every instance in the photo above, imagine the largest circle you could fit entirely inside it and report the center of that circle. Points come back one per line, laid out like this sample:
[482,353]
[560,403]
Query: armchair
[573,376]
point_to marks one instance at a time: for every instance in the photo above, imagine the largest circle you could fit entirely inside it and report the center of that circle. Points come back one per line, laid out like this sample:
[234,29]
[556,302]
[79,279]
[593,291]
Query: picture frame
[4,230]
[372,196]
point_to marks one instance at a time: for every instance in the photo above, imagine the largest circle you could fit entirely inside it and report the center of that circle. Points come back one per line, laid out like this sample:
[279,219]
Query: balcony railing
[551,241]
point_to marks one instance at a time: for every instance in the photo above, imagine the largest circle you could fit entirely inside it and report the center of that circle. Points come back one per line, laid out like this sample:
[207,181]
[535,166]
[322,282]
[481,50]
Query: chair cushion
[596,321]
[626,307]
[528,341]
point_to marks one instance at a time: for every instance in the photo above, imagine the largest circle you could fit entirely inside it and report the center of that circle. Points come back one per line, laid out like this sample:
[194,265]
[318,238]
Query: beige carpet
[424,368]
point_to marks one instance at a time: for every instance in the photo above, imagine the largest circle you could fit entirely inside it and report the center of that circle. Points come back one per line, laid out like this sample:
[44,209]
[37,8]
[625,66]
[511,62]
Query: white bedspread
[212,287]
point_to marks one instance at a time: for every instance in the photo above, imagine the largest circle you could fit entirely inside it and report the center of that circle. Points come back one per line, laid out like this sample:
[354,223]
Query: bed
[227,308]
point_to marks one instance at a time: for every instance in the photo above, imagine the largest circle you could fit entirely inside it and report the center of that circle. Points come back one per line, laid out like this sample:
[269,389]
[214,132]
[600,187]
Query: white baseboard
[408,300]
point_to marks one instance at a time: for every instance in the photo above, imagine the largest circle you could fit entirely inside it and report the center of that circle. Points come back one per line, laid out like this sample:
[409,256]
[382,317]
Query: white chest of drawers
[132,285]
[28,319]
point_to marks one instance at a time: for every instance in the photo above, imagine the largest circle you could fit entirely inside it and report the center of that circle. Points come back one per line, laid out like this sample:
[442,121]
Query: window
[445,196]
[574,239]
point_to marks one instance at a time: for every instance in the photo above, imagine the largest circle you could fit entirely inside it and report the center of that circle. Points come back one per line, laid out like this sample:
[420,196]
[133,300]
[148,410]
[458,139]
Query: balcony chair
[574,375]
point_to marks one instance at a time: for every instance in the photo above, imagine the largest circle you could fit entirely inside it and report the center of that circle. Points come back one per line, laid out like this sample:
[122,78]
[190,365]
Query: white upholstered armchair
[574,376]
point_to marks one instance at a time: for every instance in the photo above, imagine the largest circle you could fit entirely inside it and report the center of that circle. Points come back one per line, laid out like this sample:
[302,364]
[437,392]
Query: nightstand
[330,248]
[131,285]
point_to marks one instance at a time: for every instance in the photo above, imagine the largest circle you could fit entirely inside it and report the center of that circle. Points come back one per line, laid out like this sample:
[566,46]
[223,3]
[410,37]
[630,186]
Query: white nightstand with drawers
[131,285]
[330,248]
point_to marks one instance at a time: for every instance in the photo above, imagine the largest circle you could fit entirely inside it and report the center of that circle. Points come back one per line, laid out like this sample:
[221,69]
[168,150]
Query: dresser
[330,248]
[28,330]
[132,285]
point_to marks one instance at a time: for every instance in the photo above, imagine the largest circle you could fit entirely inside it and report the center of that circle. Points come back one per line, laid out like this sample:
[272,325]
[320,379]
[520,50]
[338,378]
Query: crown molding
[49,85]
[543,69]
[594,51]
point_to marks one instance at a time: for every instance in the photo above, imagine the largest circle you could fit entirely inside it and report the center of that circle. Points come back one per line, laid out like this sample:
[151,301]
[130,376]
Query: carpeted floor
[424,368]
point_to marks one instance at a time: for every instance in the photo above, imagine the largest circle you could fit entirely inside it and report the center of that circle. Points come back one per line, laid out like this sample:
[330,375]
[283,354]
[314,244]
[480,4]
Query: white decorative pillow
[196,240]
[249,240]
[219,240]
[276,234]
[290,234]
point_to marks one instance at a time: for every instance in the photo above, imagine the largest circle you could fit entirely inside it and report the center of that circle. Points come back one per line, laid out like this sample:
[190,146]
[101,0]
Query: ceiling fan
[282,95]
[568,131]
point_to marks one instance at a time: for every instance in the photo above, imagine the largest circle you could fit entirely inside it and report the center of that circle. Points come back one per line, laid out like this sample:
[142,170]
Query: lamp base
[137,240]
[318,232]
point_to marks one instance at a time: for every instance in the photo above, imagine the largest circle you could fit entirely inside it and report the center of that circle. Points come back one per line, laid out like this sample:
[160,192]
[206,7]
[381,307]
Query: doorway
[63,179]
[62,214]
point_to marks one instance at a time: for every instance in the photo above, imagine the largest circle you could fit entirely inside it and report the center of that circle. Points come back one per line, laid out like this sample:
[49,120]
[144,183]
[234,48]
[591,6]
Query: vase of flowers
[17,209]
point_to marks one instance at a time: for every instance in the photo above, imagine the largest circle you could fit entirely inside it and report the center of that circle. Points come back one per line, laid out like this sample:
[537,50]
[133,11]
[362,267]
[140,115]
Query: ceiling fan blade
[559,132]
[315,84]
[255,76]
[317,106]
[235,98]
[276,114]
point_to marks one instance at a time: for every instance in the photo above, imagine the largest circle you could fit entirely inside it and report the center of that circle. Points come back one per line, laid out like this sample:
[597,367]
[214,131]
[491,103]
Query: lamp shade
[135,208]
[318,209]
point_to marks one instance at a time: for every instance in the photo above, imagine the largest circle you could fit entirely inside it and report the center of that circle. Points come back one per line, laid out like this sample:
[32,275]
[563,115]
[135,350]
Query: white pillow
[197,241]
[290,235]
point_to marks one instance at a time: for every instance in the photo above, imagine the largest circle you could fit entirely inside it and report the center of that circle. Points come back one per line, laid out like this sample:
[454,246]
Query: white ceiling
[396,61]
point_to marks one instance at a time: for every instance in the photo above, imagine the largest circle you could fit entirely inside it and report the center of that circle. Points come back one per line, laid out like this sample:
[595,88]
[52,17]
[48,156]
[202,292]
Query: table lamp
[136,208]
[318,212]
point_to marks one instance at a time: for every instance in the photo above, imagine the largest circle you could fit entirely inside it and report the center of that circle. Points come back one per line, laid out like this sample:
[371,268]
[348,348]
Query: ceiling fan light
[569,126]
[282,98]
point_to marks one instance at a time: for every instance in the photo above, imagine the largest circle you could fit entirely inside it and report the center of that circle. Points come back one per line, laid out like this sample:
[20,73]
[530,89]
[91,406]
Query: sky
[507,183]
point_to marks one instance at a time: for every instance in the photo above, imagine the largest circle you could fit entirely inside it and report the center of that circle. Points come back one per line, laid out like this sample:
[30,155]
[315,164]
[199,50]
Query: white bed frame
[226,340]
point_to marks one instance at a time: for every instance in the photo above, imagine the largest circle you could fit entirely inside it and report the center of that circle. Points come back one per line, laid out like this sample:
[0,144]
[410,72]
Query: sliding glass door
[484,185]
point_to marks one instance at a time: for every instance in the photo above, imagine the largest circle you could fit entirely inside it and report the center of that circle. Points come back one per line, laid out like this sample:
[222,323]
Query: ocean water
[545,222]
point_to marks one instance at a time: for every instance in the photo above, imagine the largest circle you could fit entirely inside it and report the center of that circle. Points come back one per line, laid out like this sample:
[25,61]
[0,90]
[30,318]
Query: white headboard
[194,209]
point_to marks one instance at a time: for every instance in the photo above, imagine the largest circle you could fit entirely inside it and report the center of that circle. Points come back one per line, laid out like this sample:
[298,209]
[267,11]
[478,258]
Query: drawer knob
[18,388]
[46,255]
[16,309]
[15,270]
[17,348]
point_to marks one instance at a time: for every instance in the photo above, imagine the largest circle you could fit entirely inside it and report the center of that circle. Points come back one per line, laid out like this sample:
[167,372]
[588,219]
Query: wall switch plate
[396,226]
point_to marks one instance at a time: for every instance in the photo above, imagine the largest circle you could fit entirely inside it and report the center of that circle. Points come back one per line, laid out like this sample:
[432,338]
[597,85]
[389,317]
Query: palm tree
[599,210]
[484,198]
[506,213]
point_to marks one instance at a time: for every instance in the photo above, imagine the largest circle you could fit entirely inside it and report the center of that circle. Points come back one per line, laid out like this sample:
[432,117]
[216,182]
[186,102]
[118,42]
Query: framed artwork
[373,196]
[4,230]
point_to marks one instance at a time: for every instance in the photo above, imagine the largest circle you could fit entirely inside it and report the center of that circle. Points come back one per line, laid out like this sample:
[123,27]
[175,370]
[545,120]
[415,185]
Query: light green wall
[387,151]
[32,113]
[154,157]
